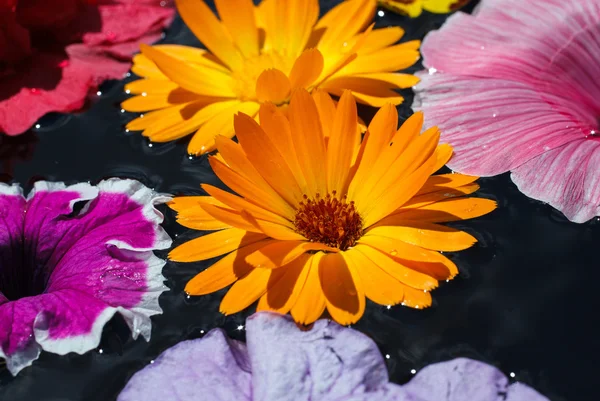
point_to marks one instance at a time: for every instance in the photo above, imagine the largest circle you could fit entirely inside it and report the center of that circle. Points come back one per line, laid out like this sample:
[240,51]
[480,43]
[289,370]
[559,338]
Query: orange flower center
[329,220]
[245,78]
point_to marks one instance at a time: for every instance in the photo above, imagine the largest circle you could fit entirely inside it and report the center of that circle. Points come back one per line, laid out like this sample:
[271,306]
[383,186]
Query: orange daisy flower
[323,219]
[263,53]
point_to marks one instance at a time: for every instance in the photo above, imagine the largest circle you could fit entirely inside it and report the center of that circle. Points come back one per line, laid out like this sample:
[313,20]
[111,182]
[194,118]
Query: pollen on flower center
[245,78]
[329,220]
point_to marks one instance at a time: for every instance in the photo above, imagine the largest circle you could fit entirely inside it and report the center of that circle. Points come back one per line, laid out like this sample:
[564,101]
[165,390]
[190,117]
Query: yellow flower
[414,8]
[258,54]
[323,219]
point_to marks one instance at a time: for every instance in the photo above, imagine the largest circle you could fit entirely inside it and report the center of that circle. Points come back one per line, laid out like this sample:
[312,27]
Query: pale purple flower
[71,257]
[515,87]
[329,362]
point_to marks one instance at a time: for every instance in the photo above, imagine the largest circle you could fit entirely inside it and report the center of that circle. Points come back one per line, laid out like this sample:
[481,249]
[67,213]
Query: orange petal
[250,191]
[273,230]
[278,254]
[267,160]
[343,290]
[272,85]
[151,86]
[417,299]
[442,182]
[277,127]
[231,217]
[379,286]
[245,291]
[350,18]
[213,244]
[203,140]
[395,80]
[200,80]
[389,59]
[285,286]
[239,204]
[224,272]
[310,304]
[342,144]
[432,263]
[190,213]
[238,18]
[380,38]
[306,69]
[326,108]
[441,195]
[427,235]
[441,212]
[203,23]
[308,140]
[397,270]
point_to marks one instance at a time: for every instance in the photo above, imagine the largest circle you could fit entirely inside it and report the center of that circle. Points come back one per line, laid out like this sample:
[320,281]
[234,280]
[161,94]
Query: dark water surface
[523,301]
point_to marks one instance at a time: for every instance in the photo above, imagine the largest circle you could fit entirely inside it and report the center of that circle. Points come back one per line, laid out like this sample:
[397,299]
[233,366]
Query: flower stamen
[329,220]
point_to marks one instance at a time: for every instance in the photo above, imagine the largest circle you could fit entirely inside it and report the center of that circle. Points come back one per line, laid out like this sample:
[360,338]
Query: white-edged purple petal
[86,253]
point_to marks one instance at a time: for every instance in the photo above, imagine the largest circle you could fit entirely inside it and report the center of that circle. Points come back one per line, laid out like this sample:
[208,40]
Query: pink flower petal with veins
[514,87]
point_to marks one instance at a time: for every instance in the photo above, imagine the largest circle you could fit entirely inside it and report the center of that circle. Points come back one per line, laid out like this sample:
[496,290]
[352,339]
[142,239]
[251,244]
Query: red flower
[54,52]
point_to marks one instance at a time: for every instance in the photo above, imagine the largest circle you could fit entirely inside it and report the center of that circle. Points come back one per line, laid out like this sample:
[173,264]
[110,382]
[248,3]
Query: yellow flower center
[245,78]
[329,220]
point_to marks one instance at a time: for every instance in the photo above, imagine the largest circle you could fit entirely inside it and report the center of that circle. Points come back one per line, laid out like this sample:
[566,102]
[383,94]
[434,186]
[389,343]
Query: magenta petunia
[71,257]
[514,87]
[329,362]
[53,53]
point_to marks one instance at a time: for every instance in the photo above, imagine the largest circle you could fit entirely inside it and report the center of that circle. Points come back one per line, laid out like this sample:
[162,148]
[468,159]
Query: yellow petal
[427,235]
[389,59]
[412,8]
[203,140]
[272,85]
[283,293]
[192,118]
[310,304]
[397,270]
[443,6]
[162,118]
[190,213]
[306,69]
[224,272]
[395,80]
[151,86]
[245,291]
[196,79]
[231,217]
[149,102]
[343,290]
[441,195]
[273,230]
[441,182]
[417,299]
[379,39]
[281,253]
[443,153]
[308,140]
[203,23]
[288,24]
[238,18]
[351,18]
[214,244]
[342,144]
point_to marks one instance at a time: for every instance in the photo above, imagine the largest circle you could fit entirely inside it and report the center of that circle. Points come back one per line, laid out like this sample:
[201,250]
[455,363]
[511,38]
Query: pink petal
[567,178]
[45,86]
[78,268]
[513,81]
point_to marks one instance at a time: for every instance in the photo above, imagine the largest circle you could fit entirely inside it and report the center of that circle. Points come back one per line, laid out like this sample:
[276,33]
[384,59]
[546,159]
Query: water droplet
[201,331]
[240,327]
[393,252]
[191,157]
[141,116]
[448,280]
[122,110]
[482,47]
[101,351]
[380,13]
[38,126]
[546,148]
[188,296]
[387,356]
[512,374]
[138,331]
[126,130]
[150,145]
[35,91]
[432,70]
[144,94]
[494,115]
[389,306]
[127,91]
[345,44]
[63,64]
[110,35]
[416,306]
[413,371]
[99,93]
[152,361]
